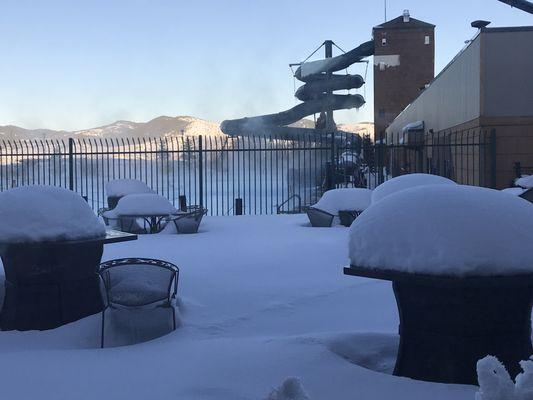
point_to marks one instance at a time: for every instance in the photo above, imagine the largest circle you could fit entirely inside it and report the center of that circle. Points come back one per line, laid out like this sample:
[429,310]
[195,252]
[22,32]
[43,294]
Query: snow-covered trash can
[461,276]
[346,203]
[51,244]
[150,208]
[118,188]
[408,181]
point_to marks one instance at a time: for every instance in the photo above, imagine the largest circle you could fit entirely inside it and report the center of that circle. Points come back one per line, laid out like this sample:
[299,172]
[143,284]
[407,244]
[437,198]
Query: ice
[335,200]
[405,182]
[46,213]
[445,230]
[142,204]
[123,187]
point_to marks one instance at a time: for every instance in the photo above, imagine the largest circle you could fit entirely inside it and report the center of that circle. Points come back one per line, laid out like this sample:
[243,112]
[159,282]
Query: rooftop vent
[406,16]
[479,24]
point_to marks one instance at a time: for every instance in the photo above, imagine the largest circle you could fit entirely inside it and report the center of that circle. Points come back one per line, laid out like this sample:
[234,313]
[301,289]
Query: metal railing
[213,171]
[258,174]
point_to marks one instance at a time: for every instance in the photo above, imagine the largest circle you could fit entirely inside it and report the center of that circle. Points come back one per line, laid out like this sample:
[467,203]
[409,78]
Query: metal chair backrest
[135,282]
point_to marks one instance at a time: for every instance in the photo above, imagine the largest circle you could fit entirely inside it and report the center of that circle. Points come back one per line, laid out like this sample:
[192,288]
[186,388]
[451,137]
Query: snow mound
[123,187]
[516,191]
[526,181]
[142,204]
[335,200]
[445,230]
[290,389]
[46,213]
[496,384]
[405,182]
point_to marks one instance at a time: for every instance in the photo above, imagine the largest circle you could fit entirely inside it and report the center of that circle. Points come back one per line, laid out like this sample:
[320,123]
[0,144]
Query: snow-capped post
[461,278]
[71,164]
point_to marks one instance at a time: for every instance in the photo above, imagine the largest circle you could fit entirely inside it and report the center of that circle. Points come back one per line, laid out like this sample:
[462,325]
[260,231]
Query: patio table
[49,284]
[448,323]
[153,220]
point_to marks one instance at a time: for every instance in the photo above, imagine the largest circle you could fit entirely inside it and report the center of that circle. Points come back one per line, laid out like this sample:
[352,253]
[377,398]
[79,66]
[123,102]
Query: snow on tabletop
[405,182]
[46,213]
[335,200]
[449,230]
[142,204]
[123,187]
[526,181]
[516,191]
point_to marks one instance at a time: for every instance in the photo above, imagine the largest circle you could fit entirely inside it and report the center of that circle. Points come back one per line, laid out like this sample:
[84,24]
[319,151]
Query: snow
[142,204]
[496,384]
[516,191]
[336,200]
[290,389]
[123,187]
[46,213]
[405,182]
[526,181]
[261,298]
[445,230]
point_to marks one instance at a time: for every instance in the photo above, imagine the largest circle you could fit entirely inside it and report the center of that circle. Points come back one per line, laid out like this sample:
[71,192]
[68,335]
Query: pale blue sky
[70,64]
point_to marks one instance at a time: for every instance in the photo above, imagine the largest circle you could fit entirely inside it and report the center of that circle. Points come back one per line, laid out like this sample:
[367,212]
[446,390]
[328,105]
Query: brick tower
[404,63]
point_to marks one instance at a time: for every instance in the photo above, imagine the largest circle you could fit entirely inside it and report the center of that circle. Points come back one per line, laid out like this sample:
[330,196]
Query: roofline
[422,24]
[508,29]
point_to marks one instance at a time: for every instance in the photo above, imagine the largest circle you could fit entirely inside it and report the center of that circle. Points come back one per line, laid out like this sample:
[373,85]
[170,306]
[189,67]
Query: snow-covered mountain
[158,127]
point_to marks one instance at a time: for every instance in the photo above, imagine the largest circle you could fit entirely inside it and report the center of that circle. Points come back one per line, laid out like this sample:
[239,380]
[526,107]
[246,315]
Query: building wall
[402,67]
[453,98]
[507,65]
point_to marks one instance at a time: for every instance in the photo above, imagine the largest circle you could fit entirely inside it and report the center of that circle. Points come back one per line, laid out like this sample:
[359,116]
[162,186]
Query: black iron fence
[466,156]
[267,174]
[261,174]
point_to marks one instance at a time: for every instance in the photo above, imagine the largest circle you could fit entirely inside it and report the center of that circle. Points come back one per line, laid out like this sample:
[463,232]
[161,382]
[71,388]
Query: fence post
[493,158]
[238,206]
[201,170]
[71,164]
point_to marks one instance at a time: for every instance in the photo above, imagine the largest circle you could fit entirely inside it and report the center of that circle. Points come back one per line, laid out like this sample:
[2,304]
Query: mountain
[157,127]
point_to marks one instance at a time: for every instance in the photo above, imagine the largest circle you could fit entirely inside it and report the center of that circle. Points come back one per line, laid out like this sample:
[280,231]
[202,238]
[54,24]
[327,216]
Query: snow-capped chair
[346,203]
[138,283]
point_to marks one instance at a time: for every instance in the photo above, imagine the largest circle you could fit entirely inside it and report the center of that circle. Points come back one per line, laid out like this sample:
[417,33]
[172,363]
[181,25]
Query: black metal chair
[189,221]
[138,282]
[527,195]
[319,218]
[124,224]
[347,217]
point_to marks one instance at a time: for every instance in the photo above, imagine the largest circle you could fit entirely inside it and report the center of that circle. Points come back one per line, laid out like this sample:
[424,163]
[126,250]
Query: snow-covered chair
[140,213]
[189,221]
[138,283]
[346,203]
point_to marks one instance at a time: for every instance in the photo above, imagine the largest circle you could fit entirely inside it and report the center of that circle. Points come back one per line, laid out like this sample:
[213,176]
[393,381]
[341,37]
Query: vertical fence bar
[493,164]
[201,170]
[71,164]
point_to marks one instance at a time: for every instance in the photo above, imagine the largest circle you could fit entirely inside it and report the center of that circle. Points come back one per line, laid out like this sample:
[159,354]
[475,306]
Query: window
[384,41]
[426,39]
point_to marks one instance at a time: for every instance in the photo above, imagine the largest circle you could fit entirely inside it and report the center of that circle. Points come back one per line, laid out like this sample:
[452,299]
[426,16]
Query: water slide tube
[313,94]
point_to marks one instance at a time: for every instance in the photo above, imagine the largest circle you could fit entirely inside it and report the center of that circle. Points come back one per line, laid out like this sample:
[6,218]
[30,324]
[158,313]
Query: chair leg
[173,317]
[103,326]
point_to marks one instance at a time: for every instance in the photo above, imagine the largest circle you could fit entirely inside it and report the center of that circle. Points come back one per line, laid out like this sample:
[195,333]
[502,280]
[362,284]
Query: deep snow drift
[445,230]
[262,299]
[46,213]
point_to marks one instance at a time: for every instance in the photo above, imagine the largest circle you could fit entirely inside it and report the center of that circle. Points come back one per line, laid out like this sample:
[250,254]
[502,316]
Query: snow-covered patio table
[462,282]
[51,244]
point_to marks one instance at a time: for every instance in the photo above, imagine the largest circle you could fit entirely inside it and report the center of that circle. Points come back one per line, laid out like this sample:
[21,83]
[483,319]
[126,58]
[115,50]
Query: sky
[71,65]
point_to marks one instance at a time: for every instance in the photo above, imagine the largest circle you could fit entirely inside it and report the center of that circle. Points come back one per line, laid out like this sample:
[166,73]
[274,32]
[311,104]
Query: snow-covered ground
[262,299]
